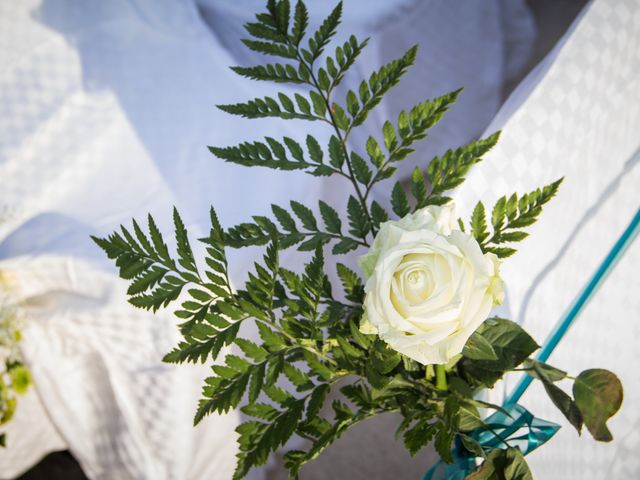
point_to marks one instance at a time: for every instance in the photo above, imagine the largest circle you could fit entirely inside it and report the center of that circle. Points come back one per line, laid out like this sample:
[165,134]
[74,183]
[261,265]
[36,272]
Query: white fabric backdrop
[108,107]
[93,91]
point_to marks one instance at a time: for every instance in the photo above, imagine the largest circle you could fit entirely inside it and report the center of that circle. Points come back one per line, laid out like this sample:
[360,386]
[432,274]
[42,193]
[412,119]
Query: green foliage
[508,218]
[309,332]
[344,58]
[269,107]
[502,464]
[321,37]
[510,344]
[358,219]
[479,223]
[300,226]
[598,395]
[380,82]
[353,288]
[399,201]
[273,154]
[300,23]
[479,348]
[15,377]
[418,436]
[548,375]
[448,172]
[442,174]
[272,38]
[411,128]
[144,259]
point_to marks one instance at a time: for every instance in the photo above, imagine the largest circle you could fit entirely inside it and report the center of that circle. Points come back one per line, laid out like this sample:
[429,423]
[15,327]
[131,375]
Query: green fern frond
[380,83]
[323,35]
[447,172]
[268,107]
[510,216]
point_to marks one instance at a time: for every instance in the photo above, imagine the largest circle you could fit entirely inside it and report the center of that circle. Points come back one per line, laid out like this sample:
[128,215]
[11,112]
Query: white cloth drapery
[108,107]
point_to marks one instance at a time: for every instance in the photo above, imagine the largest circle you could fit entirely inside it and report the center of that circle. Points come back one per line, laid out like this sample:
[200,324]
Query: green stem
[295,342]
[384,165]
[441,377]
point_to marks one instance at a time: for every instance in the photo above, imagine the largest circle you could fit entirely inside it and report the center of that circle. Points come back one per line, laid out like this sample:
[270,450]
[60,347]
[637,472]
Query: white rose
[429,286]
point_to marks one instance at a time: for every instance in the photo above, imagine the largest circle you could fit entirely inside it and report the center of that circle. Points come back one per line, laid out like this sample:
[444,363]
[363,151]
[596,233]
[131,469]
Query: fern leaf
[358,218]
[330,218]
[270,48]
[203,342]
[510,216]
[418,188]
[266,29]
[260,439]
[300,23]
[336,152]
[378,214]
[321,37]
[361,170]
[271,154]
[479,223]
[381,82]
[275,72]
[399,201]
[267,107]
[344,58]
[305,215]
[185,254]
[413,126]
[449,171]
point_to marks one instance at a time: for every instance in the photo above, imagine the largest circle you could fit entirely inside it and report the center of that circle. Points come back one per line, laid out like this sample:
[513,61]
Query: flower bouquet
[15,378]
[411,333]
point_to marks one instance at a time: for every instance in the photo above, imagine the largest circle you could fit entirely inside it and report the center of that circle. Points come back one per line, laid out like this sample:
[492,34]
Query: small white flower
[429,286]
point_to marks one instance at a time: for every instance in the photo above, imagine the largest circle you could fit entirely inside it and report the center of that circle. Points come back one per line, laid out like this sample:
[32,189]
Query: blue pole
[578,304]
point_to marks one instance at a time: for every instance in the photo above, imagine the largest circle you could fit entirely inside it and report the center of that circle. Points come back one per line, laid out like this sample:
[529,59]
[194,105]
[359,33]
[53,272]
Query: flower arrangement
[413,335]
[14,375]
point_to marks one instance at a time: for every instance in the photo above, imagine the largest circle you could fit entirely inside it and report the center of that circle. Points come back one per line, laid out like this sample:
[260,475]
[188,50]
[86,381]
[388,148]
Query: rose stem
[441,377]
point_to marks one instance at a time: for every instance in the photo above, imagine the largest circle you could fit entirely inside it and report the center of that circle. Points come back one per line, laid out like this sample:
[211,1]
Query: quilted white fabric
[95,365]
[93,91]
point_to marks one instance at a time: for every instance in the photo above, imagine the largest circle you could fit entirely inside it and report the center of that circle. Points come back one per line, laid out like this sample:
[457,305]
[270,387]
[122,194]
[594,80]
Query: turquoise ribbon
[514,427]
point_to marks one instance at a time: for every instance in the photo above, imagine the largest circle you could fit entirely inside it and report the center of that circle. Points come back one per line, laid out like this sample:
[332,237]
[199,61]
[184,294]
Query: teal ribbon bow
[514,426]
